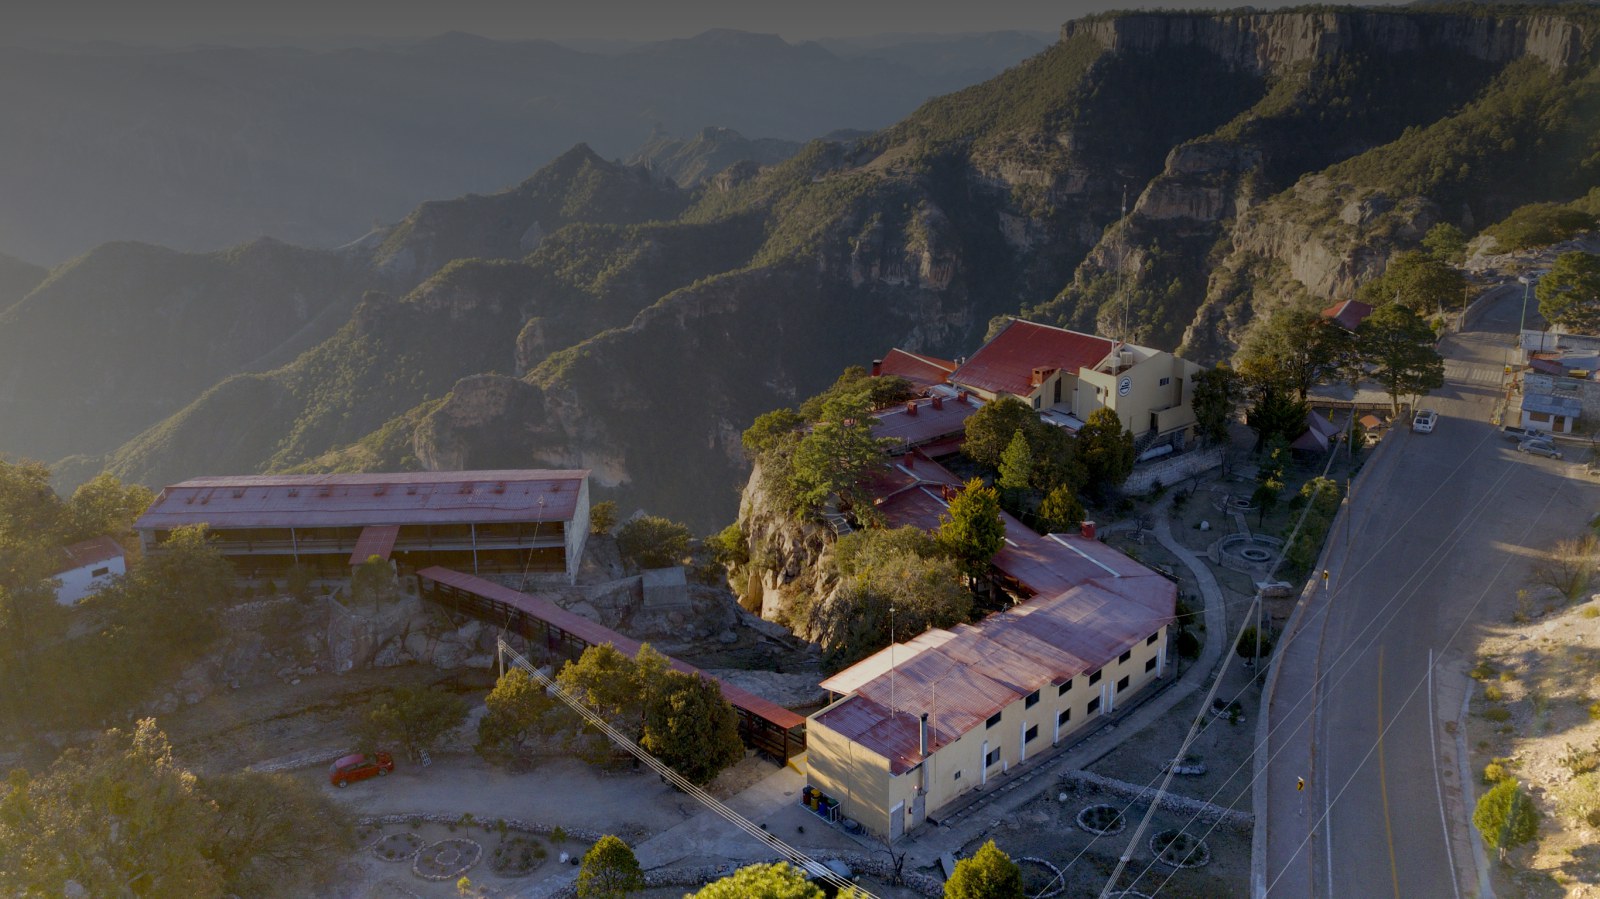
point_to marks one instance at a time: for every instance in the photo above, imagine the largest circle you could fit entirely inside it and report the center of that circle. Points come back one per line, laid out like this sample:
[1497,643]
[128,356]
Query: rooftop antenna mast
[894,710]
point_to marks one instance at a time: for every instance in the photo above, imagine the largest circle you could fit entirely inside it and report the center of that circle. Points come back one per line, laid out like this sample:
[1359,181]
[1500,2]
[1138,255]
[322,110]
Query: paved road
[1436,543]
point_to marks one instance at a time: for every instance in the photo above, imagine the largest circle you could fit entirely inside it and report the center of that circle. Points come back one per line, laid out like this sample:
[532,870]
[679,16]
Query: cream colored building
[1067,375]
[923,722]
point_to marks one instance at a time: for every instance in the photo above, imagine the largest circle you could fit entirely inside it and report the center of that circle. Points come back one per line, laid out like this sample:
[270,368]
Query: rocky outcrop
[1274,43]
[791,570]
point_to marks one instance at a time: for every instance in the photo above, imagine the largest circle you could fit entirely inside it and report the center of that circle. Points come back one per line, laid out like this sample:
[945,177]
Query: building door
[897,821]
[919,810]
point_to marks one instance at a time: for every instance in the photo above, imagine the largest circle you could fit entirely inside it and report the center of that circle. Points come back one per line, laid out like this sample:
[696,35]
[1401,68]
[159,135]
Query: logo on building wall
[1123,386]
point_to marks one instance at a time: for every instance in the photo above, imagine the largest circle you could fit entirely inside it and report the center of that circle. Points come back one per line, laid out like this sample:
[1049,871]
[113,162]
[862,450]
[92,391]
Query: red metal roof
[1348,313]
[595,634]
[375,540]
[933,420]
[88,552]
[982,668]
[922,371]
[1090,603]
[1005,364]
[358,500]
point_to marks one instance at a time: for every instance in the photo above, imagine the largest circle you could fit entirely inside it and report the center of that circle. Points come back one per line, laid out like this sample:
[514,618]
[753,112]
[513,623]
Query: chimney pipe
[938,401]
[911,407]
[961,396]
[911,460]
[1087,529]
[922,735]
[877,367]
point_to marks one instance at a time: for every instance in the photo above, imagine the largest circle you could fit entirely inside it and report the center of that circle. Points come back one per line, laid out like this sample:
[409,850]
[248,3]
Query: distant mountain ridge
[199,148]
[1268,158]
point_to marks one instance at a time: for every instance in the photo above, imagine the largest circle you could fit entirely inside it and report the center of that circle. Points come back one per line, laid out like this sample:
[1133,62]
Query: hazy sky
[181,21]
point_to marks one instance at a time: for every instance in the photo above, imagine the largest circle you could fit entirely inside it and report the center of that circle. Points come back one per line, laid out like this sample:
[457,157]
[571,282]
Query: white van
[1424,422]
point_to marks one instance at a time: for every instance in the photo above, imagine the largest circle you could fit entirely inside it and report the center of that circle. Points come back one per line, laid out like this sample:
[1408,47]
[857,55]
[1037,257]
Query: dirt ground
[1538,679]
[1047,828]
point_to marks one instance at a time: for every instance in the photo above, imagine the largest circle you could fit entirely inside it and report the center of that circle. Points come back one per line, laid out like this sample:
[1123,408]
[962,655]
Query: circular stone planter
[517,856]
[1040,878]
[446,859]
[1179,850]
[1255,554]
[397,847]
[1102,820]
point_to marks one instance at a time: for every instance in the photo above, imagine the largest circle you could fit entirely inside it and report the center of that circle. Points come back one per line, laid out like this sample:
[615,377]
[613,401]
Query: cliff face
[1276,43]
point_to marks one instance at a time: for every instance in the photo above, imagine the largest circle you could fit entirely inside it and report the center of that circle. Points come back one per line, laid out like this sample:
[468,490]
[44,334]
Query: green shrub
[1494,772]
[1482,671]
[1505,816]
[1493,693]
[1496,714]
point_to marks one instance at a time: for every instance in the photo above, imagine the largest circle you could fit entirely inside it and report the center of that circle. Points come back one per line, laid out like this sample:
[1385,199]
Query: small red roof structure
[358,500]
[922,371]
[594,634]
[926,421]
[1348,313]
[1006,364]
[1320,434]
[375,540]
[87,553]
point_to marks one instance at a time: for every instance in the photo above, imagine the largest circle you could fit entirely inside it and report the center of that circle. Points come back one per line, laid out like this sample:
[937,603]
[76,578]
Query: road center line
[1383,782]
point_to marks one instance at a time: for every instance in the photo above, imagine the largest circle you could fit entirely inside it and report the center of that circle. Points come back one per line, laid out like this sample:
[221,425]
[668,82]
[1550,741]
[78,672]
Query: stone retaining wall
[1171,470]
[1181,805]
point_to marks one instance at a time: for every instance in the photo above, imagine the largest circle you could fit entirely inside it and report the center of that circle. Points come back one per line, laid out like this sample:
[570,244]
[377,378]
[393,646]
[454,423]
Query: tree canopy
[1106,449]
[1295,346]
[988,874]
[1418,281]
[651,541]
[1446,243]
[122,817]
[1569,296]
[838,456]
[690,727]
[609,871]
[412,718]
[775,881]
[973,531]
[1061,511]
[517,711]
[991,429]
[1399,348]
[679,718]
[1216,399]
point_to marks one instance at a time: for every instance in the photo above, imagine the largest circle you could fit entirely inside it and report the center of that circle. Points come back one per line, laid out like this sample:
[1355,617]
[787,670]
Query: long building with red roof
[513,521]
[924,721]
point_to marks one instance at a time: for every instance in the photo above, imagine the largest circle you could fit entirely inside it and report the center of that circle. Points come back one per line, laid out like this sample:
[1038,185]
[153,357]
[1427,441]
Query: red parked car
[360,766]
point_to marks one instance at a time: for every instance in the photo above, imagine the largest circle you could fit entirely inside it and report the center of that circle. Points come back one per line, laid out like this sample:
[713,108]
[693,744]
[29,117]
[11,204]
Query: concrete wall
[80,582]
[577,531]
[844,771]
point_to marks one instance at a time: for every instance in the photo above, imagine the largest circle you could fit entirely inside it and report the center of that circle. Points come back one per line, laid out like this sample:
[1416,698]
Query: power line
[791,854]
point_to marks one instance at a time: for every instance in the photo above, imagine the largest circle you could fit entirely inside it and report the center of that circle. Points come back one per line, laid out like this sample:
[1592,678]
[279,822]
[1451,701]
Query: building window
[1064,689]
[1094,678]
[1541,417]
[1030,733]
[1123,659]
[1150,664]
[958,776]
[1165,381]
[1064,717]
[1032,700]
[993,758]
[1035,402]
[100,572]
[1151,640]
[1122,684]
[1094,706]
[994,719]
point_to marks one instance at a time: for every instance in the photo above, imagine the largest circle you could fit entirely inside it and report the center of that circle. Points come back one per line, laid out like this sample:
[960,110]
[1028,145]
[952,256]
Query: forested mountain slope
[1266,157]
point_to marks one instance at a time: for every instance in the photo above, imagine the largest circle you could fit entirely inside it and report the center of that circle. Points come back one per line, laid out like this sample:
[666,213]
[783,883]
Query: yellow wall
[860,779]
